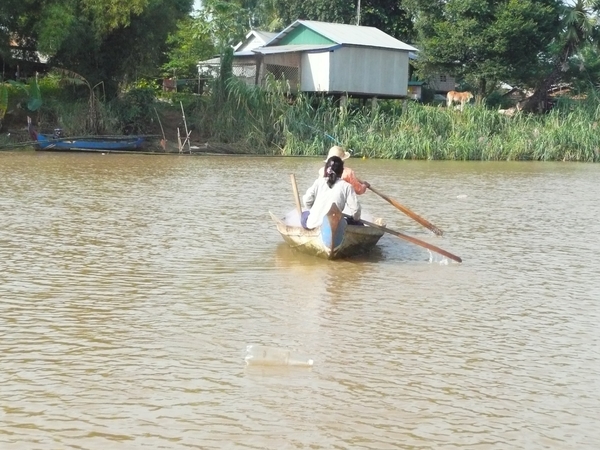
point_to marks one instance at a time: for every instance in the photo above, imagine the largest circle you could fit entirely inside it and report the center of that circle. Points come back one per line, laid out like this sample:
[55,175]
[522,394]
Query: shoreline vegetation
[235,118]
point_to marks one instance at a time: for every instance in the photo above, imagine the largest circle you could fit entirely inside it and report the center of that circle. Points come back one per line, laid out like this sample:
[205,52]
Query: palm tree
[581,26]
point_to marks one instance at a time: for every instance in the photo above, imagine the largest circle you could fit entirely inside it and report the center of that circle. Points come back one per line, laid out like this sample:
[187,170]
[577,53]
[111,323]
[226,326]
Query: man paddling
[360,187]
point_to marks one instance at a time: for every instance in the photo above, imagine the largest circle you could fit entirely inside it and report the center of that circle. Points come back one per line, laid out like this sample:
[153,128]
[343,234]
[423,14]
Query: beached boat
[334,239]
[57,142]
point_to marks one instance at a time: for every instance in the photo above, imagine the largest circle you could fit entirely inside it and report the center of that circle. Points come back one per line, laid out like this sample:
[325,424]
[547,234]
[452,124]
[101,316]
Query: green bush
[134,110]
[427,95]
[497,100]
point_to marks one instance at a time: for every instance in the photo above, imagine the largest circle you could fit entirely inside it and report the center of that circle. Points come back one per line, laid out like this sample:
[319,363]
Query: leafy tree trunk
[482,87]
[576,36]
[484,41]
[225,74]
[536,103]
[3,102]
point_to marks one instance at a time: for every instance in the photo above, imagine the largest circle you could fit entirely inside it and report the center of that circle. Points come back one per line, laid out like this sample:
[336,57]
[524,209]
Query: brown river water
[130,286]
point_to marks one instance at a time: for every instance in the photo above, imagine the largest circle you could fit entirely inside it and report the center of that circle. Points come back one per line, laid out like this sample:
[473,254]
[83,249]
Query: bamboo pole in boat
[296,195]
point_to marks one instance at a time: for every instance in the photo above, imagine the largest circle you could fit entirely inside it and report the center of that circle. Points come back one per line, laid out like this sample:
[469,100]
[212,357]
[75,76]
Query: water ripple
[130,286]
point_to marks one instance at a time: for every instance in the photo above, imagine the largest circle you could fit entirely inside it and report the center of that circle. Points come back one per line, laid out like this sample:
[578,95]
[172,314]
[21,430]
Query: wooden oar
[296,195]
[416,241]
[408,212]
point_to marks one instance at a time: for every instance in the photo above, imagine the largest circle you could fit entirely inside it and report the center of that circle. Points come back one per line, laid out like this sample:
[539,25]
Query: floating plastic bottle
[271,356]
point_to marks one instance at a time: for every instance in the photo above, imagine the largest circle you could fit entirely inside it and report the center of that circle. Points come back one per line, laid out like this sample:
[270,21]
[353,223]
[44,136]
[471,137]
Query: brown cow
[458,97]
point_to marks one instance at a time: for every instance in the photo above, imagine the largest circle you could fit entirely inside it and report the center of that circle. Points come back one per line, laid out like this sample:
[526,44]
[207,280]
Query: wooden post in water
[187,133]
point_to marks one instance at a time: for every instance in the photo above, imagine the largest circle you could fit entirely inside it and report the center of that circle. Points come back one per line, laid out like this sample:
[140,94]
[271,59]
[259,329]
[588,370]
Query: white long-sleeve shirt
[319,198]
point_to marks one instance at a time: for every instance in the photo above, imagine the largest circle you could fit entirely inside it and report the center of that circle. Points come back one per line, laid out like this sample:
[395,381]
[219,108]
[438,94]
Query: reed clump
[273,122]
[568,133]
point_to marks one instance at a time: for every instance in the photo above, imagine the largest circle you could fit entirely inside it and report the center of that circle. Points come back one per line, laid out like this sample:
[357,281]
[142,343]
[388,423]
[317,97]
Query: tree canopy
[187,46]
[104,40]
[484,41]
[230,20]
[390,16]
[530,43]
[578,40]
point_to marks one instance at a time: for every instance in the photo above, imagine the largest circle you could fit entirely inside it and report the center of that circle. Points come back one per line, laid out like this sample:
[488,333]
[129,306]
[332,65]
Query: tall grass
[272,121]
[240,115]
[266,121]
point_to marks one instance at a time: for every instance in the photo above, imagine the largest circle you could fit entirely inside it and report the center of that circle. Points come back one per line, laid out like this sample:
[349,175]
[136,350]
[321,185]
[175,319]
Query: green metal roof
[302,35]
[314,32]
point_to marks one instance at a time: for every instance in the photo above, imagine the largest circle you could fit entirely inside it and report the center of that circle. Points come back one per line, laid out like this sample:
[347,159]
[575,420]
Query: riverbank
[14,135]
[256,124]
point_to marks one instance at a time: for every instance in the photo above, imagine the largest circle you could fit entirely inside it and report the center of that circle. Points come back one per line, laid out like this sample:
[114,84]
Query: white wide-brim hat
[338,151]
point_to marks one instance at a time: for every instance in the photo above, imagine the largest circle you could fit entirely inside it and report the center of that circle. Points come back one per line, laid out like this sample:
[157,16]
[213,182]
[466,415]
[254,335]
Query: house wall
[314,76]
[442,83]
[283,59]
[357,71]
[283,66]
[251,44]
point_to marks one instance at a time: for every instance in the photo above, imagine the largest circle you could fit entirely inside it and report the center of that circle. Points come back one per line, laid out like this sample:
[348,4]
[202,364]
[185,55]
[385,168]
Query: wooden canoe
[334,239]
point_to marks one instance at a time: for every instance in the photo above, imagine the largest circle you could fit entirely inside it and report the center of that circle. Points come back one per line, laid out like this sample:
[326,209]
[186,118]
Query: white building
[329,58]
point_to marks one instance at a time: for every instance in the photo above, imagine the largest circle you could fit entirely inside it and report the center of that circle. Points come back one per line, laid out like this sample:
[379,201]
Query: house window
[443,78]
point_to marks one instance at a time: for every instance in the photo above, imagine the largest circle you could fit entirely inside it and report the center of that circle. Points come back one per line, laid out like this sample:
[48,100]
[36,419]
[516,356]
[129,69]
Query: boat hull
[90,144]
[334,239]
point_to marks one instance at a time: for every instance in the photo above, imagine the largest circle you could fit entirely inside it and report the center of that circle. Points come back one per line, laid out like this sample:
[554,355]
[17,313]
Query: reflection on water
[130,286]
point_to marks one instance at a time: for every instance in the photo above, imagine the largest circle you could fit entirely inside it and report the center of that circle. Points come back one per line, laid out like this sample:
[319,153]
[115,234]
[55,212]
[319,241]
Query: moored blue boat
[57,142]
[95,143]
